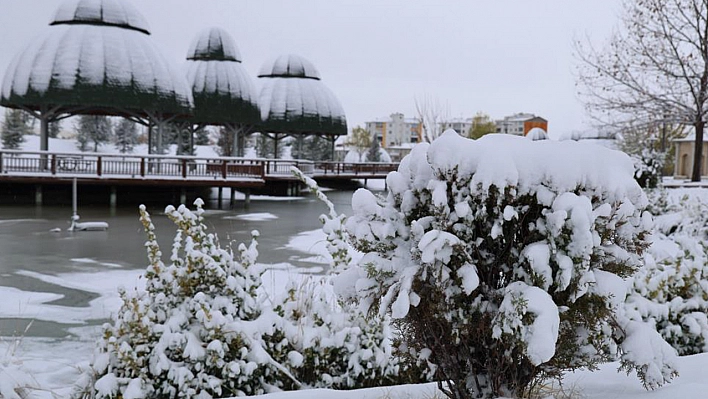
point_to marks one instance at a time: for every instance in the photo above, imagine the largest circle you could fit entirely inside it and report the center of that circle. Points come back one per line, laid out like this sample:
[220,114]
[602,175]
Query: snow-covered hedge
[648,167]
[503,260]
[202,328]
[671,291]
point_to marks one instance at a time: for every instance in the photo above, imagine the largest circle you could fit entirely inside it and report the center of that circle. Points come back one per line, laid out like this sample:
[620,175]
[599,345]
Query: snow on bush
[202,328]
[15,380]
[648,167]
[671,291]
[503,260]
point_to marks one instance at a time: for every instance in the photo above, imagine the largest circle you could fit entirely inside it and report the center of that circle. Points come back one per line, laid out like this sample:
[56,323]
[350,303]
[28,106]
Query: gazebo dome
[289,66]
[222,90]
[101,12]
[97,56]
[213,44]
[294,100]
[537,134]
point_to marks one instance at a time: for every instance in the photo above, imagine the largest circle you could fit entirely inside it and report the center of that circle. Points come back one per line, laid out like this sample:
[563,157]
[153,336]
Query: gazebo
[96,58]
[294,102]
[224,94]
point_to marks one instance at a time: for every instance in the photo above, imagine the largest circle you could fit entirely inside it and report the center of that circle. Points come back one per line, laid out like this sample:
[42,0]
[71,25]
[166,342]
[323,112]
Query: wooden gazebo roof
[294,100]
[96,57]
[222,90]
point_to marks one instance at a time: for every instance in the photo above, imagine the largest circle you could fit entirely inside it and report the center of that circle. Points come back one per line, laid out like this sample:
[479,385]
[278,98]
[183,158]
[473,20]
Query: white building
[520,124]
[395,130]
[461,125]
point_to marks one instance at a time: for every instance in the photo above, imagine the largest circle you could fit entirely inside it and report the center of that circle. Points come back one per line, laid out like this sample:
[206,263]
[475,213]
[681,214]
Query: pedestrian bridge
[114,170]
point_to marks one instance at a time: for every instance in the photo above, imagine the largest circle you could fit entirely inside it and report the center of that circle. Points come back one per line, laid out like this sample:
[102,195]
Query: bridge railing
[349,168]
[129,166]
[43,163]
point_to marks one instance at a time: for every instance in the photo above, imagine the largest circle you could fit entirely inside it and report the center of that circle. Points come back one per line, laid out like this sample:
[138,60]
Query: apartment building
[395,130]
[461,125]
[520,124]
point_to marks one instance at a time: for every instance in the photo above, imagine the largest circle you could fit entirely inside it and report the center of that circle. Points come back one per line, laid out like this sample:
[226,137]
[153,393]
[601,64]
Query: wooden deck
[22,167]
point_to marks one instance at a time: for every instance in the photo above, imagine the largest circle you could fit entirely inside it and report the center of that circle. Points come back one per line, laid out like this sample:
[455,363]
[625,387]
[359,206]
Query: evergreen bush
[671,291]
[204,328]
[503,260]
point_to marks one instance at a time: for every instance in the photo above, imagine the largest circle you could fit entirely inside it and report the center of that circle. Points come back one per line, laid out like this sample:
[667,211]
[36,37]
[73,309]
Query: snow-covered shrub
[503,259]
[343,346]
[204,328]
[671,291]
[15,380]
[197,330]
[648,167]
[333,346]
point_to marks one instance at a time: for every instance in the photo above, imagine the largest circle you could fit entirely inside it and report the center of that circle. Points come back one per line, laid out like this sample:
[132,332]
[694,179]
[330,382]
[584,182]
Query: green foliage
[648,168]
[225,143]
[202,329]
[672,289]
[125,136]
[481,124]
[468,271]
[360,139]
[374,153]
[54,129]
[94,129]
[14,129]
[265,146]
[201,136]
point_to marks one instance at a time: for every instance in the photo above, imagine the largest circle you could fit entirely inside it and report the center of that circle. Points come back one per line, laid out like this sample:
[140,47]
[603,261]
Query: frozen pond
[63,280]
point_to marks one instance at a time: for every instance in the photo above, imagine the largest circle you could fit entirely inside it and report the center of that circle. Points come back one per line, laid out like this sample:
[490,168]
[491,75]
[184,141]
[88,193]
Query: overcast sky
[495,56]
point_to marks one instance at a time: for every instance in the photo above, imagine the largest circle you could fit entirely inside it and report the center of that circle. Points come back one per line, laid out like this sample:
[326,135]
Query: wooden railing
[355,169]
[165,166]
[128,166]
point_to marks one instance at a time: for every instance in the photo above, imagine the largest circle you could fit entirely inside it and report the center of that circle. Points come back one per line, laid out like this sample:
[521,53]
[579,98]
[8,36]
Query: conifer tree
[94,129]
[54,129]
[126,136]
[201,136]
[13,129]
[374,154]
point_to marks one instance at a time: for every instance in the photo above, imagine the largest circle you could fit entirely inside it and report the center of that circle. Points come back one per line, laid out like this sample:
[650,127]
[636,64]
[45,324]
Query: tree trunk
[698,152]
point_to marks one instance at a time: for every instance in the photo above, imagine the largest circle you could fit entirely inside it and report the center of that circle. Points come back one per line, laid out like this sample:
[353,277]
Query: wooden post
[221,196]
[142,167]
[247,201]
[150,137]
[275,150]
[43,137]
[38,195]
[114,197]
[184,168]
[99,166]
[74,199]
[223,169]
[232,197]
[54,164]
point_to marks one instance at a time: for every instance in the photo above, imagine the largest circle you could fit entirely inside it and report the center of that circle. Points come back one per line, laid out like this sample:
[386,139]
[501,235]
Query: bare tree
[655,69]
[431,114]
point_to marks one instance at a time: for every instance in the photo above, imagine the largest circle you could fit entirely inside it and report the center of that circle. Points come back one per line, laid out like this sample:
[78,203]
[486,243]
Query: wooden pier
[186,175]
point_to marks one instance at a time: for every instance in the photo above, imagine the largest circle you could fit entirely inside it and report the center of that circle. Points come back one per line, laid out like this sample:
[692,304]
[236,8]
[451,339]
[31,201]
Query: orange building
[520,124]
[536,121]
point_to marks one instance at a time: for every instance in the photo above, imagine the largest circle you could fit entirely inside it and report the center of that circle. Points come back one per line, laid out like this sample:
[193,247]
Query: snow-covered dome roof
[104,67]
[214,44]
[222,89]
[101,12]
[289,66]
[291,102]
[536,134]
